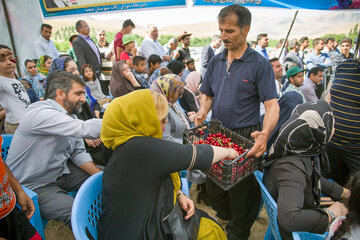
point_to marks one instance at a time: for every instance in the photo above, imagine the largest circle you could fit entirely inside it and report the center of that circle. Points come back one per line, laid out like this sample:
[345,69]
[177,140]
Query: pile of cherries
[237,170]
[219,140]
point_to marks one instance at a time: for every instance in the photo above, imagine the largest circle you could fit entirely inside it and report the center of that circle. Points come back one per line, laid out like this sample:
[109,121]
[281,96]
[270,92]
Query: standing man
[343,55]
[208,52]
[316,58]
[184,51]
[106,63]
[278,72]
[127,28]
[151,45]
[171,46]
[314,78]
[85,49]
[236,81]
[13,96]
[304,48]
[293,55]
[262,43]
[44,46]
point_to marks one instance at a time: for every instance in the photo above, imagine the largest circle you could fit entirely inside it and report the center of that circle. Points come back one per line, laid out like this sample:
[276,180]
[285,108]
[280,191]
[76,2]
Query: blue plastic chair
[272,231]
[86,208]
[5,144]
[35,220]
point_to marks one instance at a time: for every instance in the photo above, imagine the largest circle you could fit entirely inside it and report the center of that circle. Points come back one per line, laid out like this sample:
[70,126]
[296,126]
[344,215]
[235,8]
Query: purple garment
[92,45]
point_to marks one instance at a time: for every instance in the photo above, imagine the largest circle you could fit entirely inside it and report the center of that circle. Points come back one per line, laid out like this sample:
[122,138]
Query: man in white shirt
[262,43]
[314,78]
[44,46]
[13,96]
[150,45]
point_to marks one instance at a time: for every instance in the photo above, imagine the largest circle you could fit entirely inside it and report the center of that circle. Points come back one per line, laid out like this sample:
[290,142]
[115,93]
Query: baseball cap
[128,38]
[293,71]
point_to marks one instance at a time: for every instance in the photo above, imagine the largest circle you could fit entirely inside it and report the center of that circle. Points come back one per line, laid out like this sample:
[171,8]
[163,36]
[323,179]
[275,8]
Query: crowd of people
[123,109]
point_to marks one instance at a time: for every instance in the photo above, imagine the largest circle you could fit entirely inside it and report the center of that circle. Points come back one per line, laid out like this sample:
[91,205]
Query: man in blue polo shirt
[235,83]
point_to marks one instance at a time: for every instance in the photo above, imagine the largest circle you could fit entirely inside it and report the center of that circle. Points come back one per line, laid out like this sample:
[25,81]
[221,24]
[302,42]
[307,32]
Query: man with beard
[236,81]
[184,51]
[44,45]
[47,153]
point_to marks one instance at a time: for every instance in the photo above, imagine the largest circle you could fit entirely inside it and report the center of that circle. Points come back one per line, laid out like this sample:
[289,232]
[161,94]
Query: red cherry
[201,132]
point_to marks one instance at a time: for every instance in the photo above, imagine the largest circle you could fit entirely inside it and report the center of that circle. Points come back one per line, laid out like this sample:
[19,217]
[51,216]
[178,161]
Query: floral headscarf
[167,85]
[41,66]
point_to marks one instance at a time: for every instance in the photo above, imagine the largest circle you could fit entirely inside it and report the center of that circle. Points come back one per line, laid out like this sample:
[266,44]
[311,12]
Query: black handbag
[180,228]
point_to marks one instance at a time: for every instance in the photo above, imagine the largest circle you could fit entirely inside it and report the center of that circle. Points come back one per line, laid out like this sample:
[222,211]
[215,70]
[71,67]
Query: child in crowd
[33,82]
[87,71]
[348,227]
[43,65]
[154,62]
[129,47]
[139,70]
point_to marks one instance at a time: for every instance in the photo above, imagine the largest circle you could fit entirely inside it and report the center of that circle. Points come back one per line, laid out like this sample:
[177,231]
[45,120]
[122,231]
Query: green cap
[128,38]
[293,71]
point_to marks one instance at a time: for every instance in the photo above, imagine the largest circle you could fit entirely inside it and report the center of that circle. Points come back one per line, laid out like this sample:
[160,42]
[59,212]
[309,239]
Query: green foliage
[62,46]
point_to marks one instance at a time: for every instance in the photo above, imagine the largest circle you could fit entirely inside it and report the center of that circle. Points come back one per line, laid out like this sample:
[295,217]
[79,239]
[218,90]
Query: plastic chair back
[86,208]
[270,205]
[5,141]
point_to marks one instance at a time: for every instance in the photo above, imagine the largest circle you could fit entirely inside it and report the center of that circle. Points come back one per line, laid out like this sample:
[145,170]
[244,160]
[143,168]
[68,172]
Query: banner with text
[303,4]
[53,8]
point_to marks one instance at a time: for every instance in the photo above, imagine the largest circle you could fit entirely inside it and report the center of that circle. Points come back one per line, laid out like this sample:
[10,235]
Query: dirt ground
[58,231]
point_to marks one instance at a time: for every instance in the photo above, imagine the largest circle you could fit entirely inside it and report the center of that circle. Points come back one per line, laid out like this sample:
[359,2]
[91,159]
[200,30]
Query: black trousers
[240,204]
[105,87]
[343,163]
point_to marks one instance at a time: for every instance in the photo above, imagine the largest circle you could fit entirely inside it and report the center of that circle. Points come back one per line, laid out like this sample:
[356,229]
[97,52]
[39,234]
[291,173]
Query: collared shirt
[46,139]
[292,88]
[141,77]
[149,47]
[45,47]
[308,90]
[322,61]
[92,45]
[338,59]
[262,52]
[238,91]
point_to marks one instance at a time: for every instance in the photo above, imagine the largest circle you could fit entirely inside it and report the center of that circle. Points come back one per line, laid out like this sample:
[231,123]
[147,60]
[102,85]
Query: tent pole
[287,36]
[11,35]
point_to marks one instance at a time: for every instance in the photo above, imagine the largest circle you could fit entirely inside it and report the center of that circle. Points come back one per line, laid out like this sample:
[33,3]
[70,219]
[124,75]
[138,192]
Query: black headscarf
[306,133]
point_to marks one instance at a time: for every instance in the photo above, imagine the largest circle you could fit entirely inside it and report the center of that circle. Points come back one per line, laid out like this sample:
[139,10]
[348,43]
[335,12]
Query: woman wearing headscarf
[292,175]
[171,86]
[141,184]
[32,80]
[43,65]
[189,101]
[122,80]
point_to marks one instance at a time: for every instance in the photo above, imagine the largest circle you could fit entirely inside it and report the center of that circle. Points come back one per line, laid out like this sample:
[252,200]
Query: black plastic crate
[225,173]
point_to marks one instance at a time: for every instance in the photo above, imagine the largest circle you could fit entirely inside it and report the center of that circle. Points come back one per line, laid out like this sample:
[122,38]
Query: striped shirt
[345,102]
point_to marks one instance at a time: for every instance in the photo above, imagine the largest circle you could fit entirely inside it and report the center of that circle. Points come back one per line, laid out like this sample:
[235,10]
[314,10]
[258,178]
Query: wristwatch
[331,213]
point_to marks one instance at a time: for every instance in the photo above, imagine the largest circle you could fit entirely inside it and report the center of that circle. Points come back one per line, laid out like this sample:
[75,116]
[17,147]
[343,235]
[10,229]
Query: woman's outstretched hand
[187,205]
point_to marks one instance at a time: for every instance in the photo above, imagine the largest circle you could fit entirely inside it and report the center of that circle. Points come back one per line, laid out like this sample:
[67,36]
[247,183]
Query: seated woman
[93,85]
[348,227]
[189,101]
[141,184]
[293,177]
[122,80]
[43,65]
[32,80]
